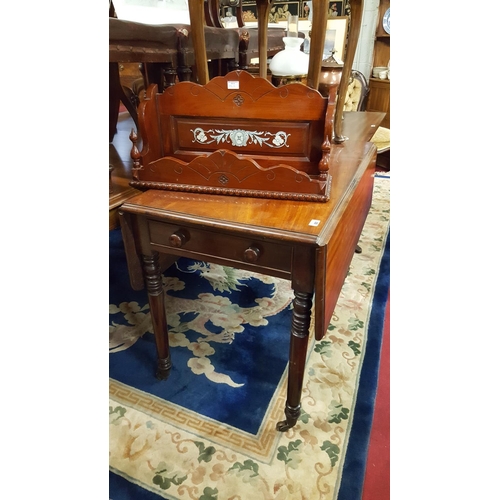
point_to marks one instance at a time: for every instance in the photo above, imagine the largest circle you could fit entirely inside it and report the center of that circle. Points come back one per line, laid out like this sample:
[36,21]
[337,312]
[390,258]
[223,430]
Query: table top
[286,220]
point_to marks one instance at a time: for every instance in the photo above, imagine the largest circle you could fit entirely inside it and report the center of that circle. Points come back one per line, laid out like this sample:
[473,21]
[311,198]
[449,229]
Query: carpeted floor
[208,432]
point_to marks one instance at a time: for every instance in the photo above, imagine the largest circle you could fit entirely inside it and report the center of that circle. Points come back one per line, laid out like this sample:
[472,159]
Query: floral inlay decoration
[240,138]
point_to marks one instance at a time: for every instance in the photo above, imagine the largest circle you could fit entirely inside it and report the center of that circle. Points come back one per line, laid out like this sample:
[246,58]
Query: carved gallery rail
[309,243]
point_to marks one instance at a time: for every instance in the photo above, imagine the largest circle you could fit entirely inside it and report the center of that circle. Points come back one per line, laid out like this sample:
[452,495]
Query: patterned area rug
[208,432]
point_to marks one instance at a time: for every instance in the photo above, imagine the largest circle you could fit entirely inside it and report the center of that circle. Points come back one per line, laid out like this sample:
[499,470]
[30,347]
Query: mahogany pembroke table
[309,243]
[287,234]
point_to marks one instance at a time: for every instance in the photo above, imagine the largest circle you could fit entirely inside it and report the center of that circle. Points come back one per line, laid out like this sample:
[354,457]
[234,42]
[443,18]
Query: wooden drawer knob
[179,238]
[251,254]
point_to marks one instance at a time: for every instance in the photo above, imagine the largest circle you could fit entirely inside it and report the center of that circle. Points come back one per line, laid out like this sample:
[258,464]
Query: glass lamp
[291,64]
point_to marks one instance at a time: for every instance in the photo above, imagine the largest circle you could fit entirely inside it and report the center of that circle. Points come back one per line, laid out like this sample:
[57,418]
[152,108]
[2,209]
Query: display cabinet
[379,98]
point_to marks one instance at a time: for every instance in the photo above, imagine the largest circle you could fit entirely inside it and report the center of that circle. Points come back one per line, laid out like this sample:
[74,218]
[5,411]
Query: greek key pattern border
[260,446]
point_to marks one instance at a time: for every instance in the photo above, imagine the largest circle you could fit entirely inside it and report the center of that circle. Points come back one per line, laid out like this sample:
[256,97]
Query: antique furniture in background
[239,134]
[382,139]
[166,54]
[356,98]
[249,42]
[156,47]
[331,73]
[380,90]
[357,92]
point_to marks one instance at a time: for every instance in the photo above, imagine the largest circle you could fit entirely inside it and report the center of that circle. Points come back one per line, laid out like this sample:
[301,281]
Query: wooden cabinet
[379,98]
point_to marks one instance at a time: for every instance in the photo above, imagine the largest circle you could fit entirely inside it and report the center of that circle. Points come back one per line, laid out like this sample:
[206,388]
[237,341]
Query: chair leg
[114,99]
[116,95]
[358,249]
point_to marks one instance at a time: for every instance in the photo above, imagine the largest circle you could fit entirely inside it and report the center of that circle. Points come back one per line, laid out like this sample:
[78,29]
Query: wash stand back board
[236,135]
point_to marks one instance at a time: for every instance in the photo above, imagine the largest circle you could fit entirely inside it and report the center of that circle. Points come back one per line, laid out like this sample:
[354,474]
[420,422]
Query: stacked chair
[166,55]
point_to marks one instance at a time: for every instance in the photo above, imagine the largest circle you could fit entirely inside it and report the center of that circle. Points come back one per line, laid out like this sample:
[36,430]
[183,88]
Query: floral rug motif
[225,315]
[164,446]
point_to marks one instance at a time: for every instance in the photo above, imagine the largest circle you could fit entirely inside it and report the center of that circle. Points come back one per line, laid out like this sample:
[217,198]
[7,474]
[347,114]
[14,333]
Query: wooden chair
[356,97]
[166,54]
[382,139]
[156,47]
[249,40]
[357,92]
[222,51]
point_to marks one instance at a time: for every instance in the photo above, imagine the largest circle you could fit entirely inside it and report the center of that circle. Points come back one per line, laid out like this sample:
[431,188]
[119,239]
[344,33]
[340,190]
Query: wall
[153,11]
[364,53]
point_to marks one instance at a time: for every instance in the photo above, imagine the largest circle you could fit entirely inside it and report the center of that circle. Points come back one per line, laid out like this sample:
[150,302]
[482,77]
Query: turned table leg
[156,295]
[299,336]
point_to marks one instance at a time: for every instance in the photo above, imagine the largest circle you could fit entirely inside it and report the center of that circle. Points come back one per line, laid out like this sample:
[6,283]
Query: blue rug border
[129,490]
[351,487]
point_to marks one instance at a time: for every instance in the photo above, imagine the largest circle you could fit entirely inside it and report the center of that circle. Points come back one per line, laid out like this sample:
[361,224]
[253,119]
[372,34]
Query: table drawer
[203,244]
